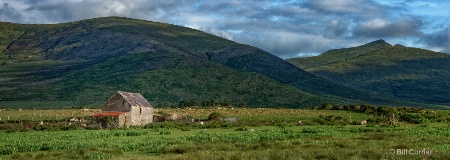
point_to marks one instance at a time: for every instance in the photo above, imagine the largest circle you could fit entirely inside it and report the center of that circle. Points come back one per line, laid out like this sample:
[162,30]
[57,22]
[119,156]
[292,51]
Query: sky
[284,28]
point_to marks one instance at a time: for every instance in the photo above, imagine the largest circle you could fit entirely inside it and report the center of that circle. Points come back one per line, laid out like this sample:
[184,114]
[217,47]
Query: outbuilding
[124,109]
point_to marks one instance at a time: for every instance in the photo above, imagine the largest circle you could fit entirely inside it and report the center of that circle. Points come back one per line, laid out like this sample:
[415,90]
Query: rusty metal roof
[112,114]
[134,99]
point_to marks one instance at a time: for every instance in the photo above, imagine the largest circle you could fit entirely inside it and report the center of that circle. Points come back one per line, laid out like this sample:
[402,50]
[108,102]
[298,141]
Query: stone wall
[125,120]
[136,116]
[141,115]
[117,104]
[104,122]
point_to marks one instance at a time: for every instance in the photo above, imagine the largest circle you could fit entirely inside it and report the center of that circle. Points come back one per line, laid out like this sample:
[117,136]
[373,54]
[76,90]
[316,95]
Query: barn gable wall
[138,112]
[116,103]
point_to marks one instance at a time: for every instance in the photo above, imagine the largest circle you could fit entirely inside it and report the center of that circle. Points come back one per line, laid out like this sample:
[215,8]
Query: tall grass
[319,142]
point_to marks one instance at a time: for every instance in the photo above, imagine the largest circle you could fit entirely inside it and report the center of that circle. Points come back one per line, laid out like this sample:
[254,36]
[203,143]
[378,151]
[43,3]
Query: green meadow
[257,134]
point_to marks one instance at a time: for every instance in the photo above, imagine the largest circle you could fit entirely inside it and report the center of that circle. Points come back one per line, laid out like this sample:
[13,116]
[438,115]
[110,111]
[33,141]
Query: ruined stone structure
[124,109]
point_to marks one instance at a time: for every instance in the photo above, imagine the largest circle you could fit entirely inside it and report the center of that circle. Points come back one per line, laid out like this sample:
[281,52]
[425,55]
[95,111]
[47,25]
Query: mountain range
[86,61]
[379,68]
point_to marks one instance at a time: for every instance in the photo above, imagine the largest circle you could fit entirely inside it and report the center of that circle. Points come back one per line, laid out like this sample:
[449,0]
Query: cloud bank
[284,28]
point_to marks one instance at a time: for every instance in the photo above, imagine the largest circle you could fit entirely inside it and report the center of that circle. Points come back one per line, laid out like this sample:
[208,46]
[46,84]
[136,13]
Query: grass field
[244,115]
[258,134]
[49,104]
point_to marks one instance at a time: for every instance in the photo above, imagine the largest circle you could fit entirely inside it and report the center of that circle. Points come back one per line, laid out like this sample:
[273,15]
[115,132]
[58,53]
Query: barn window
[140,111]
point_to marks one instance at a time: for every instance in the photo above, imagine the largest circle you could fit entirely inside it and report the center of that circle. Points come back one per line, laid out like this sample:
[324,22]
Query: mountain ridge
[397,71]
[88,60]
[91,59]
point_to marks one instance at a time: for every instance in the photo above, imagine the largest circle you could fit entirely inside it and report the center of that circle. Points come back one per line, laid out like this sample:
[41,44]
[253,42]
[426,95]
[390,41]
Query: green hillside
[396,71]
[183,78]
[87,61]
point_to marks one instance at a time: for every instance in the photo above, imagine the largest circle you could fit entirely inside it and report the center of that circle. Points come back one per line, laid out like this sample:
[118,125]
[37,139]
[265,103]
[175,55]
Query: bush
[215,116]
[325,106]
[355,108]
[337,107]
[71,127]
[11,128]
[411,117]
[368,109]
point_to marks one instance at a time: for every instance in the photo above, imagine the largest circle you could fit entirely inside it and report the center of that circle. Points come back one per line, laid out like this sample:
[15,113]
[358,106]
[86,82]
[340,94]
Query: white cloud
[380,28]
[203,23]
[340,5]
[196,19]
[117,7]
[438,41]
[287,44]
[283,28]
[375,24]
[219,33]
[437,49]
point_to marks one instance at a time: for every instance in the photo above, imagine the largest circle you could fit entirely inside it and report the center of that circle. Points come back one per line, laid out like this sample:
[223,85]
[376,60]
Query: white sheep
[364,122]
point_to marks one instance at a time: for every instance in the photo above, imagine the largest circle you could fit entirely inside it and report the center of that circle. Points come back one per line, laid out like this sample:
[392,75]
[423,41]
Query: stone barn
[124,109]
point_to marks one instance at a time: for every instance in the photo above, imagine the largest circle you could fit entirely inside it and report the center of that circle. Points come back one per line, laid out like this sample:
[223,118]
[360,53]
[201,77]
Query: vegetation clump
[215,116]
[387,115]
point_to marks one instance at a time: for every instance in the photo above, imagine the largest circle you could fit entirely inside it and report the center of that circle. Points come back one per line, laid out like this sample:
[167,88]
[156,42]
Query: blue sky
[284,28]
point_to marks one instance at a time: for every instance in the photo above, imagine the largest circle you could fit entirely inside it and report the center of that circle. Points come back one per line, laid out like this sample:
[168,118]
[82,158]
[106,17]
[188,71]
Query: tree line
[382,114]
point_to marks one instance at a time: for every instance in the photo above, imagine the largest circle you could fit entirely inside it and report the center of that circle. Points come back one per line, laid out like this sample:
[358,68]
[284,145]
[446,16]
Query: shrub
[337,107]
[346,107]
[368,109]
[215,116]
[355,108]
[71,127]
[11,128]
[325,106]
[242,105]
[411,117]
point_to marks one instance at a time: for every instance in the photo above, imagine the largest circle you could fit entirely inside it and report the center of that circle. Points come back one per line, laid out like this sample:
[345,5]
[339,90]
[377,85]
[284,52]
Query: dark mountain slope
[396,71]
[167,78]
[90,59]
